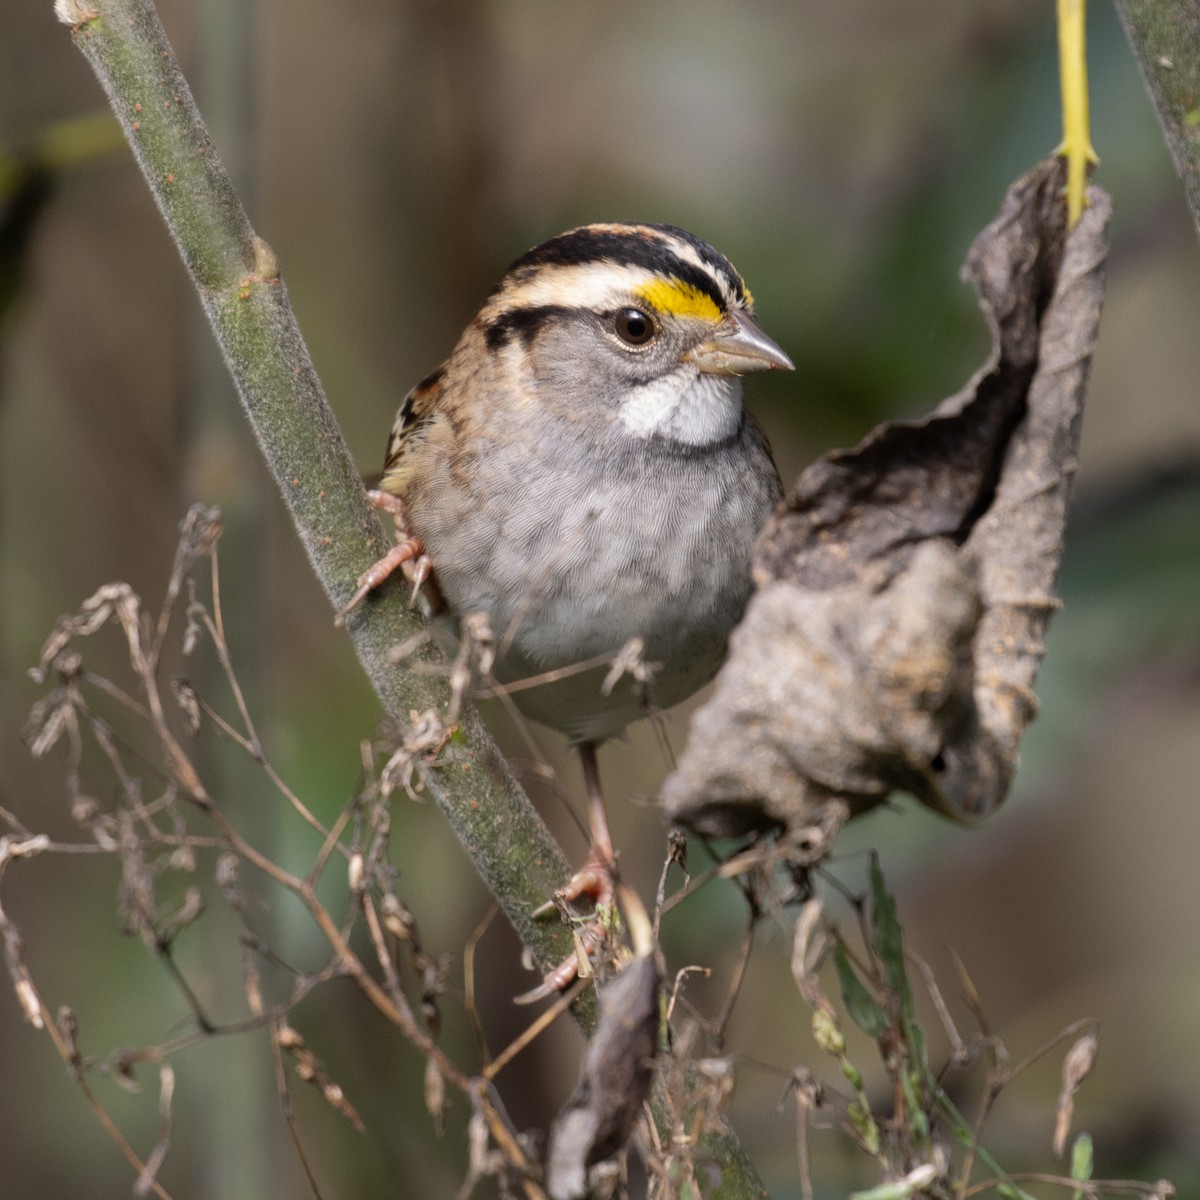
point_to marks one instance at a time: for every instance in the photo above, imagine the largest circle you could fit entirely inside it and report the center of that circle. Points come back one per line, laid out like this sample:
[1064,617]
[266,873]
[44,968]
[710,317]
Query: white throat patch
[685,406]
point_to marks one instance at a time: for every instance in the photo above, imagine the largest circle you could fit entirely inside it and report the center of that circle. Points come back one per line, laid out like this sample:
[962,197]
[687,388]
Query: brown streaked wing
[414,415]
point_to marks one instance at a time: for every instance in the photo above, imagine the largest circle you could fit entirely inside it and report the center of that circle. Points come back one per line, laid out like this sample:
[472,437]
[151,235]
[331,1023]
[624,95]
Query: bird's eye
[635,327]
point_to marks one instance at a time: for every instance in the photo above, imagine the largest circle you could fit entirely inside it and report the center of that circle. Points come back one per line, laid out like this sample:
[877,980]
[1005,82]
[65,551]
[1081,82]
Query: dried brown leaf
[618,1069]
[905,586]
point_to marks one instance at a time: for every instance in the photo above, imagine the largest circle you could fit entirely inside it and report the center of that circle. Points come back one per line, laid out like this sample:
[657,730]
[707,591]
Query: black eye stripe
[523,323]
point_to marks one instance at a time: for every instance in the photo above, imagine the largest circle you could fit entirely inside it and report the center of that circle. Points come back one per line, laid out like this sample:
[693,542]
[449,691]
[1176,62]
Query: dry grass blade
[1077,1065]
[166,1091]
[960,1053]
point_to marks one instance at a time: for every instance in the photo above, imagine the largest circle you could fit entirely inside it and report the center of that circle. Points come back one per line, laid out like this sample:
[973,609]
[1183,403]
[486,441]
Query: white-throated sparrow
[581,468]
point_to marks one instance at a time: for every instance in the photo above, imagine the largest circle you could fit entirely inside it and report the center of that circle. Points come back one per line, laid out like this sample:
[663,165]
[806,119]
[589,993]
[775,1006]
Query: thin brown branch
[285,1106]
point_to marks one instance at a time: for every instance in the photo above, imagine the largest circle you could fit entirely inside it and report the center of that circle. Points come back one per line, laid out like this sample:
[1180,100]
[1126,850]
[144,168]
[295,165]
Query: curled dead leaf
[905,586]
[599,1118]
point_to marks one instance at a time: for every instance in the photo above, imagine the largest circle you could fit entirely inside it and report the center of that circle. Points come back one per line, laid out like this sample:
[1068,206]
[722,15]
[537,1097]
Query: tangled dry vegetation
[178,851]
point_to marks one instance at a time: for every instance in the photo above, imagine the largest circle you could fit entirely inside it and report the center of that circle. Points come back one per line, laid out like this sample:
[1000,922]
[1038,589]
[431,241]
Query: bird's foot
[408,553]
[597,878]
[593,932]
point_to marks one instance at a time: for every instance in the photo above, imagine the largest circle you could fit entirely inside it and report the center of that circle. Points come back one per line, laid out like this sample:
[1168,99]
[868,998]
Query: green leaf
[1009,1191]
[915,1036]
[1081,1161]
[918,1122]
[889,938]
[861,1007]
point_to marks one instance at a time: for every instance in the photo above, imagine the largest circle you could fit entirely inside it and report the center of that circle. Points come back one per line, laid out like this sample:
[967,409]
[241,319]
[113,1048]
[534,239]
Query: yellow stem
[1076,145]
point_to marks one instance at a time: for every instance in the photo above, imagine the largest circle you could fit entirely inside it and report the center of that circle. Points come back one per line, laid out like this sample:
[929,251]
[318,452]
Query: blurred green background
[397,156]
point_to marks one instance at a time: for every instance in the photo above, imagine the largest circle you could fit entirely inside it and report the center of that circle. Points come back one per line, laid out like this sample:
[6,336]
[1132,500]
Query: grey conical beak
[739,348]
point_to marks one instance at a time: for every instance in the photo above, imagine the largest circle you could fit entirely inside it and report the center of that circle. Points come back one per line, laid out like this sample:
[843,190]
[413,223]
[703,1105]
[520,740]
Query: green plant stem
[237,279]
[246,302]
[1165,37]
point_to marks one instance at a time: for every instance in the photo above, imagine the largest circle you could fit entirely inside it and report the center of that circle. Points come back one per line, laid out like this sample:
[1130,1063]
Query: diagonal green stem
[246,302]
[237,279]
[1165,37]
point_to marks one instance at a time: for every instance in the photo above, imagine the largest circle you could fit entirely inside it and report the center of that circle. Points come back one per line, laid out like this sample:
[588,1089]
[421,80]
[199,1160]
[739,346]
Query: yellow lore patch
[682,299]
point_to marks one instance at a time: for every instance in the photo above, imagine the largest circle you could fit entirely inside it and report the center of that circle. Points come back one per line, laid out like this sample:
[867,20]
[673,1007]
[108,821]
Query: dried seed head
[1077,1065]
[355,871]
[288,1038]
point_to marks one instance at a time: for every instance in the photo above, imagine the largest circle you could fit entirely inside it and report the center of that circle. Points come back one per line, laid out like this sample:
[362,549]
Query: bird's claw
[408,549]
[597,879]
[588,939]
